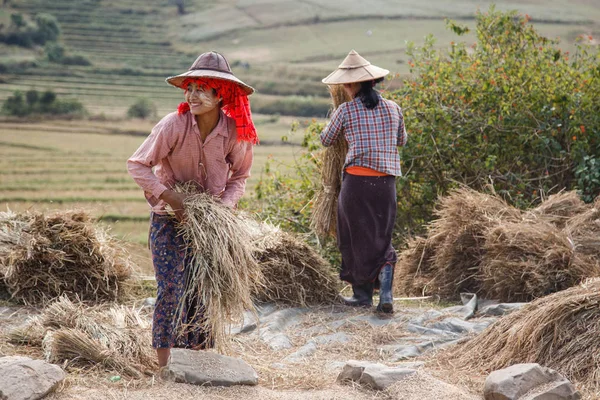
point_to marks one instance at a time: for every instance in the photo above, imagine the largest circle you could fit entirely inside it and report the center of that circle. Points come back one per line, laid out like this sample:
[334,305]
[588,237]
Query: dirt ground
[311,378]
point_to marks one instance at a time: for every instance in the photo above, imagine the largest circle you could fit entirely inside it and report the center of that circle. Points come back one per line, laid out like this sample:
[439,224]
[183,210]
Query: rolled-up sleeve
[155,148]
[334,127]
[402,135]
[240,158]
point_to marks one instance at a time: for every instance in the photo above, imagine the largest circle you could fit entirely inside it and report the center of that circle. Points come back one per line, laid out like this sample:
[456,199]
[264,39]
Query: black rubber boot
[363,296]
[386,298]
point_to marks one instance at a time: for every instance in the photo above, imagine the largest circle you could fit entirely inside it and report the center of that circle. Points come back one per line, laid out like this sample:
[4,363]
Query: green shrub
[24,33]
[142,108]
[45,104]
[512,112]
[296,106]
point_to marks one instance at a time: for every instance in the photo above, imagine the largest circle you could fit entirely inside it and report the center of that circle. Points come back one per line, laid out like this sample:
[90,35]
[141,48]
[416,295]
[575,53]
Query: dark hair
[368,95]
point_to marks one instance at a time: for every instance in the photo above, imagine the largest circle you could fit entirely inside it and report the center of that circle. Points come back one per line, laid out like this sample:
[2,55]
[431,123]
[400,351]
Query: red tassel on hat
[183,108]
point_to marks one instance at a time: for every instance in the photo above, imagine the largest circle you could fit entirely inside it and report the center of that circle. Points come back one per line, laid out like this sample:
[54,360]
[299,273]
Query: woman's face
[352,89]
[201,99]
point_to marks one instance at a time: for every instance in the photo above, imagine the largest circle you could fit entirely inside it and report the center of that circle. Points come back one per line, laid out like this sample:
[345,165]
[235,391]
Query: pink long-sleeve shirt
[174,153]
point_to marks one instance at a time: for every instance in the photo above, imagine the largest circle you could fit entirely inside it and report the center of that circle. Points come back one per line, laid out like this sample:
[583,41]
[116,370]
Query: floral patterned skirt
[169,259]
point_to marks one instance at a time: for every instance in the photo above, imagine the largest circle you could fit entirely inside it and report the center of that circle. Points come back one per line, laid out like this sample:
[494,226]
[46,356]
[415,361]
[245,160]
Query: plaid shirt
[373,135]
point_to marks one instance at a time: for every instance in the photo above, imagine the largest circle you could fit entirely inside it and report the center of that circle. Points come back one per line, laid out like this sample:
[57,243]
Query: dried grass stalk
[414,271]
[293,272]
[458,234]
[525,260]
[222,273]
[584,231]
[558,208]
[559,331]
[324,213]
[44,257]
[117,337]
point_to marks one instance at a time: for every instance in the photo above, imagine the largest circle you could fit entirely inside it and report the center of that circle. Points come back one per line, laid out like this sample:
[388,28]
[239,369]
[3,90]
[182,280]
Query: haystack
[480,244]
[557,209]
[458,234]
[43,257]
[222,273]
[294,273]
[324,213]
[414,271]
[527,260]
[559,331]
[116,338]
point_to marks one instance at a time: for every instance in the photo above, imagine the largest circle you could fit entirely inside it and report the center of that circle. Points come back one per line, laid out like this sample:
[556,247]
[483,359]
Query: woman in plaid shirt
[374,128]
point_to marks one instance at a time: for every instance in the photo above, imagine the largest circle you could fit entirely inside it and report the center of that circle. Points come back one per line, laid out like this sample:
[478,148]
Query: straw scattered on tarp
[559,331]
[117,338]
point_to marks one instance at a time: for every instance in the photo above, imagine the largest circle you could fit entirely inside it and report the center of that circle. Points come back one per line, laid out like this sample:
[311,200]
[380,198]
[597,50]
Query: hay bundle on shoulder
[559,331]
[324,213]
[116,338]
[463,217]
[222,273]
[43,257]
[293,272]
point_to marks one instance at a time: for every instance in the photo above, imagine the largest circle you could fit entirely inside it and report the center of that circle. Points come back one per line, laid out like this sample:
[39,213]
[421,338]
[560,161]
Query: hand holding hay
[222,272]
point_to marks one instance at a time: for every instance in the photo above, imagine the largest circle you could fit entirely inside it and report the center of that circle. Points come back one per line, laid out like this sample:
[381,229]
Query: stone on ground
[22,378]
[372,375]
[208,368]
[531,381]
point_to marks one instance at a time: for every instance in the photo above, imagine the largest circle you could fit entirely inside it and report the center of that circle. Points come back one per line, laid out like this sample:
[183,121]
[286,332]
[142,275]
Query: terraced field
[281,47]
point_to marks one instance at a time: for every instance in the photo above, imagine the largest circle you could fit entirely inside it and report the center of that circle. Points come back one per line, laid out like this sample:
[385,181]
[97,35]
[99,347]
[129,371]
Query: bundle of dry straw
[43,257]
[222,274]
[324,214]
[480,244]
[294,273]
[559,331]
[116,338]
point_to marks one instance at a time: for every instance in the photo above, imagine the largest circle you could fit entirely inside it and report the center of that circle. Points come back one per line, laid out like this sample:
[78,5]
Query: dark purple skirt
[365,222]
[169,259]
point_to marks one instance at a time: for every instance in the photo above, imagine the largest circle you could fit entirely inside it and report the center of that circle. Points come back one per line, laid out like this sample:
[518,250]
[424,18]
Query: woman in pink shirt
[208,141]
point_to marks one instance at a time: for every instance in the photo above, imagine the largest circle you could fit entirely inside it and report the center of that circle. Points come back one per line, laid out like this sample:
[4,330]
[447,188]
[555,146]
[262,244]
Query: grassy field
[281,47]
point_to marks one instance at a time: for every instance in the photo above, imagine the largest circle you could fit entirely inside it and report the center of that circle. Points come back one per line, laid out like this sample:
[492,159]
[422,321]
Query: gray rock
[563,390]
[303,352]
[208,368]
[517,380]
[374,376]
[271,329]
[27,379]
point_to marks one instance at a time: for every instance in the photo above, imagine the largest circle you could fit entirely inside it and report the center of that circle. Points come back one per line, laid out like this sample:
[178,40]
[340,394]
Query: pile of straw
[324,213]
[559,331]
[293,272]
[43,257]
[530,260]
[222,273]
[116,338]
[480,244]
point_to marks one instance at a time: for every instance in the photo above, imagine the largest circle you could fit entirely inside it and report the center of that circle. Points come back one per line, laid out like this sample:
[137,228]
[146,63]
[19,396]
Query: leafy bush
[296,106]
[45,104]
[142,108]
[24,33]
[512,112]
[57,53]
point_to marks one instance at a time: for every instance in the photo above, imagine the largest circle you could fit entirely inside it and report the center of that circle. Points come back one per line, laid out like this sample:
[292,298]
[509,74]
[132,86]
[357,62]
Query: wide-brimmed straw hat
[209,65]
[355,68]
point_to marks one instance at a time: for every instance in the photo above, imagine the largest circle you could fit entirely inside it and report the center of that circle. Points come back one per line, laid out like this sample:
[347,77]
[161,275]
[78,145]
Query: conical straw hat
[355,68]
[210,65]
